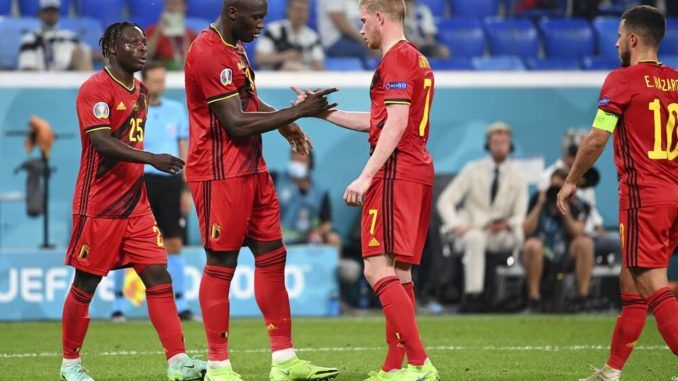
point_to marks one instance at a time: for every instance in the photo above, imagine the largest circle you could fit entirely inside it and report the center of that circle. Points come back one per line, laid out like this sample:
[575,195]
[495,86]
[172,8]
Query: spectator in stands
[53,49]
[420,28]
[290,44]
[305,209]
[588,9]
[339,27]
[605,242]
[556,242]
[494,196]
[169,39]
[528,5]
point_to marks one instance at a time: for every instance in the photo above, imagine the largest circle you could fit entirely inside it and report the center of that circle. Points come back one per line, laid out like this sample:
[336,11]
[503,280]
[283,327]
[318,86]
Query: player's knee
[153,275]
[86,282]
[222,258]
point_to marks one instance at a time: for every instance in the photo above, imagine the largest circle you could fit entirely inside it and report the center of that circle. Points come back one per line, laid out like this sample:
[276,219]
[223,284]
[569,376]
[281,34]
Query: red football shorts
[234,210]
[99,245]
[395,219]
[648,235]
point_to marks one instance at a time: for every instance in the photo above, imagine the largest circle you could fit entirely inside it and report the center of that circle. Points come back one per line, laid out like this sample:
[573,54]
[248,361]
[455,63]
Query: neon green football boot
[426,372]
[384,376]
[222,374]
[300,370]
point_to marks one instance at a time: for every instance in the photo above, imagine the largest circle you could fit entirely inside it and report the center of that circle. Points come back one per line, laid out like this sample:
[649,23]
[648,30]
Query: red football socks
[399,312]
[74,322]
[396,351]
[272,298]
[163,314]
[628,329]
[214,303]
[664,306]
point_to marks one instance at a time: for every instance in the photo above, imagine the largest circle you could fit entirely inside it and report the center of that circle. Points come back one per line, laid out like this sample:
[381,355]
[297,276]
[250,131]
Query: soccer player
[166,130]
[395,187]
[639,105]
[232,189]
[113,226]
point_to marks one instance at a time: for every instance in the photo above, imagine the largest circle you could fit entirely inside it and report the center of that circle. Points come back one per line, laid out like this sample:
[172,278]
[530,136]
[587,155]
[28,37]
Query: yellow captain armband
[605,121]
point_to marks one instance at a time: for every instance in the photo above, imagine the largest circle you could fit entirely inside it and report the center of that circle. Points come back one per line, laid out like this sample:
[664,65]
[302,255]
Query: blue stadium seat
[567,38]
[438,7]
[450,64]
[464,37]
[151,9]
[197,24]
[553,64]
[670,43]
[474,8]
[206,9]
[106,11]
[5,7]
[499,63]
[343,64]
[606,35]
[670,61]
[600,63]
[512,37]
[89,30]
[30,8]
[143,22]
[312,15]
[276,10]
[11,30]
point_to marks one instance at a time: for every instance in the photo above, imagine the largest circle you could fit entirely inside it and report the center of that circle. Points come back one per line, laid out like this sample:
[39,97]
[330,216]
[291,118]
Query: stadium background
[538,71]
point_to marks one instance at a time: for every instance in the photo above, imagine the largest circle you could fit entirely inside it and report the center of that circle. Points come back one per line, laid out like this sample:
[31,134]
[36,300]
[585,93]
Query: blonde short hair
[396,9]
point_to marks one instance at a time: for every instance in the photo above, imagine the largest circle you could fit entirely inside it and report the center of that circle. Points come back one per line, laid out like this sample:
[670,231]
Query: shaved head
[243,4]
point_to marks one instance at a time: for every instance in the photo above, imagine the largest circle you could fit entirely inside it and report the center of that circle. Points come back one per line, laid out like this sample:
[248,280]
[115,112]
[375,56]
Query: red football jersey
[404,77]
[216,70]
[107,188]
[645,97]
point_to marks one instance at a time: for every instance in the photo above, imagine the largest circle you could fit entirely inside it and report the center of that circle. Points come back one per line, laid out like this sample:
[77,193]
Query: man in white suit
[494,196]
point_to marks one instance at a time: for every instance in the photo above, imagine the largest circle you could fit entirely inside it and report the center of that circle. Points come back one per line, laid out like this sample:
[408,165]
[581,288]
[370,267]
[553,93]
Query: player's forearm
[589,151]
[356,121]
[255,123]
[388,141]
[265,107]
[117,150]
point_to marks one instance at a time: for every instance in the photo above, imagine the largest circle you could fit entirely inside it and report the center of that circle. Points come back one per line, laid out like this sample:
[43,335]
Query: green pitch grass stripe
[529,348]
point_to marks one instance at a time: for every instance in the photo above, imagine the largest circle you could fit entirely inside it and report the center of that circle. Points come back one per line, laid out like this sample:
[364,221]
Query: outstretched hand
[305,95]
[299,141]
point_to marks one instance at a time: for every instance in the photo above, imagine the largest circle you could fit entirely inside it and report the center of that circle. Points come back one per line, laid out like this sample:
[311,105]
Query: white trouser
[474,244]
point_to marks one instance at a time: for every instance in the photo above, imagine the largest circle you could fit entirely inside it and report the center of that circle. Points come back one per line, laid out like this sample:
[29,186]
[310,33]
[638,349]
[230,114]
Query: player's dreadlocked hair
[113,33]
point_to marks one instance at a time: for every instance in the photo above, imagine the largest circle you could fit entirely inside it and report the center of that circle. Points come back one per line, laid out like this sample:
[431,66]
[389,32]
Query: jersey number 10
[658,153]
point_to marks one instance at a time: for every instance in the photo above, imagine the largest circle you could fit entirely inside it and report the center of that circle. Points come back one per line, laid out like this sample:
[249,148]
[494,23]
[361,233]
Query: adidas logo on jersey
[121,107]
[374,242]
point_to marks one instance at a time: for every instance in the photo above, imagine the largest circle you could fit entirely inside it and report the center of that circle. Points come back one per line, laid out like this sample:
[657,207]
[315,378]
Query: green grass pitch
[462,347]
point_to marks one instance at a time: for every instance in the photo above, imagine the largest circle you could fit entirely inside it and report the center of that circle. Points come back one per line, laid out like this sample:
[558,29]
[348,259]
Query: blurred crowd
[289,44]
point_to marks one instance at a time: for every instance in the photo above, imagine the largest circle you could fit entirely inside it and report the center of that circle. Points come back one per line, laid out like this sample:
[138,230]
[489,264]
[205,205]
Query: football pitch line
[527,348]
